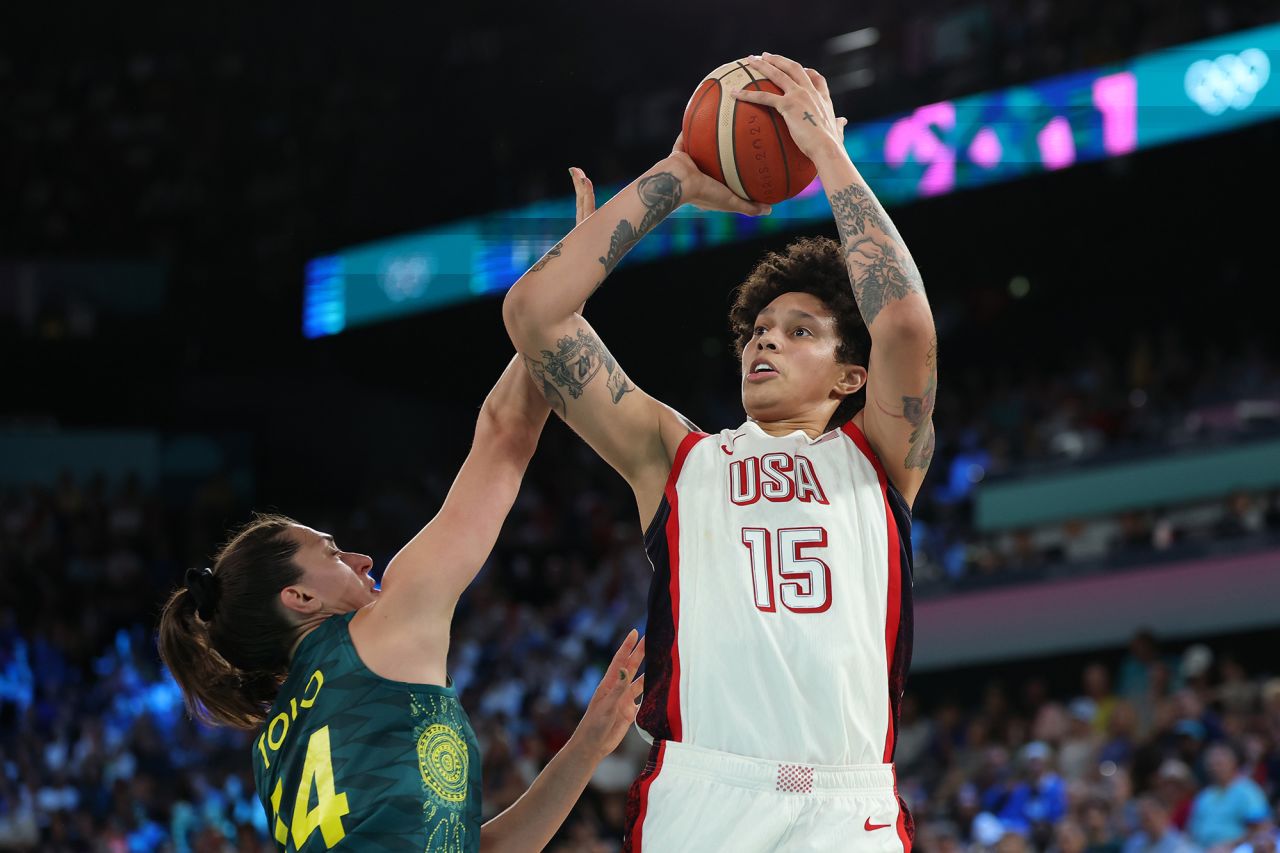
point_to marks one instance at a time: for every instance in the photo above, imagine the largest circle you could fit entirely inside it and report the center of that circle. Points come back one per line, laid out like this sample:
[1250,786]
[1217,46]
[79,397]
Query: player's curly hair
[812,265]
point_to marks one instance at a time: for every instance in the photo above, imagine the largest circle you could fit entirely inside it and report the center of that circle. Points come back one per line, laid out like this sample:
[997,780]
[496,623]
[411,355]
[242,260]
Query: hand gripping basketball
[702,190]
[805,103]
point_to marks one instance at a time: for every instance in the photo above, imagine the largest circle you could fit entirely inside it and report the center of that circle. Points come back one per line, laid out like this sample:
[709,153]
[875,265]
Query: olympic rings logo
[406,277]
[1228,82]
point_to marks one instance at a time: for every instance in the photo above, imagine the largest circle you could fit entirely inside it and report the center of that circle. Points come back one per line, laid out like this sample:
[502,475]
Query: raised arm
[405,634]
[902,375]
[581,380]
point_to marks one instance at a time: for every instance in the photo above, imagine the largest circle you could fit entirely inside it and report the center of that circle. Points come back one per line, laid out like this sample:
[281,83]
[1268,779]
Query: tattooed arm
[584,383]
[903,371]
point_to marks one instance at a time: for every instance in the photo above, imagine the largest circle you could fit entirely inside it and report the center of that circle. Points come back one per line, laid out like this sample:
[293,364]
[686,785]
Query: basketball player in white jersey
[779,630]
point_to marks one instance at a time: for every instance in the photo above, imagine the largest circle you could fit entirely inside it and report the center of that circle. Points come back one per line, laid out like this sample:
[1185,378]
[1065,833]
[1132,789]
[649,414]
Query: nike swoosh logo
[728,451]
[868,826]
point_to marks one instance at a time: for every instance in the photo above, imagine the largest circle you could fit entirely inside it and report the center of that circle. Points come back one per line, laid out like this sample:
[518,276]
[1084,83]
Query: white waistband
[763,774]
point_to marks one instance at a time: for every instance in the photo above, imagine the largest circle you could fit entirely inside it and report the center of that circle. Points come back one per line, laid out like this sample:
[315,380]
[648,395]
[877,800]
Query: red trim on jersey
[673,554]
[900,825]
[636,842]
[893,613]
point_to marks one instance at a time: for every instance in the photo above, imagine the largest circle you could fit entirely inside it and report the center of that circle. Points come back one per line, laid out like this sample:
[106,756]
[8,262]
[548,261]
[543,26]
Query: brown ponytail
[225,636]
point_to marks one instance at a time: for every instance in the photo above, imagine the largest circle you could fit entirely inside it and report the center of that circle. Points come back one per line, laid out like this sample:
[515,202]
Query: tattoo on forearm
[538,371]
[576,362]
[919,413]
[880,267]
[552,253]
[661,194]
[620,242]
[854,208]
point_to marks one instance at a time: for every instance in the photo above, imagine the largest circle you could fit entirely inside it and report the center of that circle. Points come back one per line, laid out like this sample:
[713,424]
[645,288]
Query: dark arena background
[232,278]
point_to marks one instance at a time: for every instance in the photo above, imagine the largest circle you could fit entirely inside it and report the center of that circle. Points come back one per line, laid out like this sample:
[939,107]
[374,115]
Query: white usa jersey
[780,608]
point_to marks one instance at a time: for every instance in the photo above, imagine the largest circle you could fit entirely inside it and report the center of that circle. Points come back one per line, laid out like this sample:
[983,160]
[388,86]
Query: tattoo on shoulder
[919,413]
[880,267]
[578,360]
[552,254]
[661,194]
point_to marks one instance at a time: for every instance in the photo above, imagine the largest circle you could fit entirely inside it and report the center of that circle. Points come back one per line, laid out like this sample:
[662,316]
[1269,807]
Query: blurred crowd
[1163,752]
[1167,749]
[97,752]
[139,149]
[1156,394]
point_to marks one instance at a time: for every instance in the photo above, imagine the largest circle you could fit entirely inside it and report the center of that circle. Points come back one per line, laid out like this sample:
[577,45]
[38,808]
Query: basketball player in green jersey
[362,743]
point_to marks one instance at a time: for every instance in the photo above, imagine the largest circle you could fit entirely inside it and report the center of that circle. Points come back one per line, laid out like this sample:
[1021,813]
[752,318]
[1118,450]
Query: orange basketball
[745,146]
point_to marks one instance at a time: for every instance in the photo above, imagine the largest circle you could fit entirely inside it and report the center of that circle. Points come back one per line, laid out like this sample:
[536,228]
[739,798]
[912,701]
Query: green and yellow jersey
[348,758]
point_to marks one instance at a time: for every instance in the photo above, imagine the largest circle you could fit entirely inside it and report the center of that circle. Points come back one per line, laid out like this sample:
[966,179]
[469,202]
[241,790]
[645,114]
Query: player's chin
[760,403]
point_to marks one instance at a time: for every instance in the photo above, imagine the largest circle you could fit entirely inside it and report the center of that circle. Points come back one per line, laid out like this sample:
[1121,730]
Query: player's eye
[802,331]
[759,330]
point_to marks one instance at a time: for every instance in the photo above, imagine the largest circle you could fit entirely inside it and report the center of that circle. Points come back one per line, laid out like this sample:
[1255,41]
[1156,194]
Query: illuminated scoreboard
[1193,90]
[1196,89]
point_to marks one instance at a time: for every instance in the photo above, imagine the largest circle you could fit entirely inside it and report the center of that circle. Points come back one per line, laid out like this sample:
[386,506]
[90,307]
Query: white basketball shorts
[695,800]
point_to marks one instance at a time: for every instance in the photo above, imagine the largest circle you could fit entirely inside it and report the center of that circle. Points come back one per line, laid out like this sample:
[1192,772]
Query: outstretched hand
[613,707]
[805,103]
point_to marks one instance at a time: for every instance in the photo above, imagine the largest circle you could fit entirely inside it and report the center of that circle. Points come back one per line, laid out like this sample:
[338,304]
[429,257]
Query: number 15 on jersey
[804,580]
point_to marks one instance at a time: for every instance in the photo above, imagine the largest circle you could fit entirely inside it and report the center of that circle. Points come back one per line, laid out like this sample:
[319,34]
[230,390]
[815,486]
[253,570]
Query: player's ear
[298,600]
[852,380]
